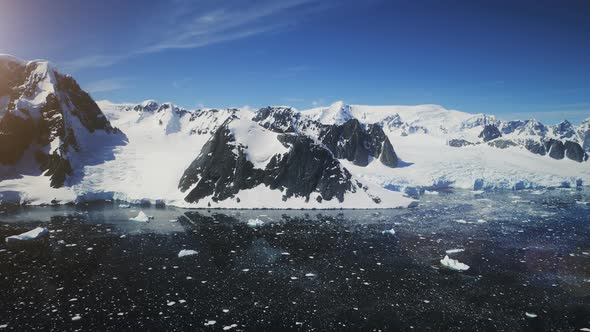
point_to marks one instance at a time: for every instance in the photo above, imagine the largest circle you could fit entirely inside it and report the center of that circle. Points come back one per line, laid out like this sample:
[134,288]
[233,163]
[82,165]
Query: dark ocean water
[528,252]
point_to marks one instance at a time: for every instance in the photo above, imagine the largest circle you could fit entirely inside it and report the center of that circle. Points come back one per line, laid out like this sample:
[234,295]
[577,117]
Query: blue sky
[515,59]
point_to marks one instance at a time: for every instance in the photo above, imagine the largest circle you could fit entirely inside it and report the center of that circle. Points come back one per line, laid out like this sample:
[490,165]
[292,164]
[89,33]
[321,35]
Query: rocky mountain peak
[48,112]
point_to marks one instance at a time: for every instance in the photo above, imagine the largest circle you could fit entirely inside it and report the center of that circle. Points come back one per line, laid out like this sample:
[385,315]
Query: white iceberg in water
[141,217]
[453,264]
[34,234]
[255,222]
[454,251]
[389,231]
[186,252]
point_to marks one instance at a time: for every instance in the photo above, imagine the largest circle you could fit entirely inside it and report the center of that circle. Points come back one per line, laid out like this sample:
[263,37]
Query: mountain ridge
[340,156]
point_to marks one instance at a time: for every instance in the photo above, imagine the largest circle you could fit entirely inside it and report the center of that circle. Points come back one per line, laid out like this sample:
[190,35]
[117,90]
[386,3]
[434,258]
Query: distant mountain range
[57,146]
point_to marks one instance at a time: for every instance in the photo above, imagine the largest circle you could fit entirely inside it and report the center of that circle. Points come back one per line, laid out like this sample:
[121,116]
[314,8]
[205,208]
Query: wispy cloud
[187,25]
[106,85]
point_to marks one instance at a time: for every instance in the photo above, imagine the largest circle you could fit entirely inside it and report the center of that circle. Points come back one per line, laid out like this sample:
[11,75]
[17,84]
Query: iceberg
[454,251]
[141,217]
[255,222]
[186,252]
[389,231]
[34,234]
[453,264]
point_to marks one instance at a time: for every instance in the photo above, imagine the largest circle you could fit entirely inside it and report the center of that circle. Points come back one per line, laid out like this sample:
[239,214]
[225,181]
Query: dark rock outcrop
[535,147]
[555,149]
[457,143]
[564,130]
[306,168]
[490,132]
[575,152]
[221,170]
[502,143]
[278,119]
[48,124]
[352,142]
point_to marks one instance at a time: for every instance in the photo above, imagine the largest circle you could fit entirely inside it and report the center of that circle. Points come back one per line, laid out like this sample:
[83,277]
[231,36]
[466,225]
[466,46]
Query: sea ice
[141,217]
[255,222]
[34,234]
[453,264]
[186,252]
[454,251]
[389,231]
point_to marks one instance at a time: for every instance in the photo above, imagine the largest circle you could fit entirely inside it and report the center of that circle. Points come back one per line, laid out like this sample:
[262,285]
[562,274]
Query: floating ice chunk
[585,329]
[478,192]
[310,275]
[170,303]
[430,192]
[3,326]
[461,221]
[388,232]
[76,317]
[453,264]
[530,315]
[34,234]
[255,222]
[481,221]
[210,322]
[141,217]
[124,206]
[187,252]
[229,327]
[454,251]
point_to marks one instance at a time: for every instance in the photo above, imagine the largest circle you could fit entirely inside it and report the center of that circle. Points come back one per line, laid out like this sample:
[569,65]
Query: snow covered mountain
[58,145]
[48,125]
[446,148]
[228,158]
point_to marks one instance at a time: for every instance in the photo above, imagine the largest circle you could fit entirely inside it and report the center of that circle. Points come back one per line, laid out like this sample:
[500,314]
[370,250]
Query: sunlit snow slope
[421,135]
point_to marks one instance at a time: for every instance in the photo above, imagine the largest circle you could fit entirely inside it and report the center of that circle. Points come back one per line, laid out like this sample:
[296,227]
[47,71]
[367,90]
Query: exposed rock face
[395,122]
[278,119]
[535,147]
[584,132]
[306,168]
[575,152]
[457,143]
[46,112]
[352,142]
[502,143]
[490,132]
[564,130]
[555,149]
[222,169]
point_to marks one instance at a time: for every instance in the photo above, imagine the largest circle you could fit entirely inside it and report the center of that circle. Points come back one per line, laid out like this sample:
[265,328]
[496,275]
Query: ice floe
[34,234]
[388,232]
[255,222]
[186,252]
[453,264]
[454,251]
[141,217]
